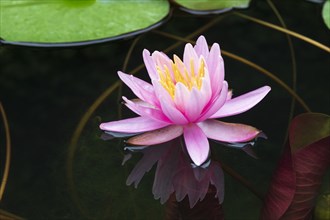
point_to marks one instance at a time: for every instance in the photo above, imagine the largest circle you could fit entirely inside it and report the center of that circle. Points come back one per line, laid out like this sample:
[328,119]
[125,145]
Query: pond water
[46,93]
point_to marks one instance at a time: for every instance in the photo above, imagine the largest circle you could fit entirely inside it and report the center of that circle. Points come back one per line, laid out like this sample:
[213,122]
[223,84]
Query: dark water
[45,93]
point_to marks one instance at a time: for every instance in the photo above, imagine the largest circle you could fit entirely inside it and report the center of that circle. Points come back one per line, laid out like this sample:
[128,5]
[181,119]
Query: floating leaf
[308,128]
[326,13]
[296,182]
[35,22]
[211,6]
[299,175]
[282,189]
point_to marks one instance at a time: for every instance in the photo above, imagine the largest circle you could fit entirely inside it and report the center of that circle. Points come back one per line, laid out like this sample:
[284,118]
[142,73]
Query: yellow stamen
[179,73]
[192,69]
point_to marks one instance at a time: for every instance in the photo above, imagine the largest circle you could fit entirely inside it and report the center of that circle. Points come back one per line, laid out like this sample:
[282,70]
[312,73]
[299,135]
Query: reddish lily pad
[296,182]
[299,175]
[281,191]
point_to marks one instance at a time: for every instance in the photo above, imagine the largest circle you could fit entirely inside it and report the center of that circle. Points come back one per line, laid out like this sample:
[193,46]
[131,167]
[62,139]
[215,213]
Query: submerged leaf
[66,21]
[299,175]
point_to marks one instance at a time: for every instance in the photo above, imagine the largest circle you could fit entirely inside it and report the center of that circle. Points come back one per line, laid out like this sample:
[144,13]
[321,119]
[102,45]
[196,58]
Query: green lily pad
[308,128]
[73,21]
[211,6]
[326,13]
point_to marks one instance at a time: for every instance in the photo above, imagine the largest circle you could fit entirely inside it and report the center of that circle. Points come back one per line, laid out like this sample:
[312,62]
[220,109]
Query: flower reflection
[184,98]
[175,174]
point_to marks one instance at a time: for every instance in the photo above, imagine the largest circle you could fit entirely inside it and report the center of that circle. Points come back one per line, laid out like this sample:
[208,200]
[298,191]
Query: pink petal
[206,89]
[167,105]
[242,103]
[216,76]
[140,88]
[173,113]
[215,67]
[188,56]
[196,143]
[133,125]
[216,103]
[160,91]
[181,94]
[157,136]
[214,56]
[190,103]
[161,60]
[228,132]
[150,64]
[201,47]
[145,109]
[194,105]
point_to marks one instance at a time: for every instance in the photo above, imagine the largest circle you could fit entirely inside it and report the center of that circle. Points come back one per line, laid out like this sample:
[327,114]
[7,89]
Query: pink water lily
[184,98]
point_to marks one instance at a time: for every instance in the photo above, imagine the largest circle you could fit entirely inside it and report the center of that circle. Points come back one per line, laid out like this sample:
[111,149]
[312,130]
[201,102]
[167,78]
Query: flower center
[170,76]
